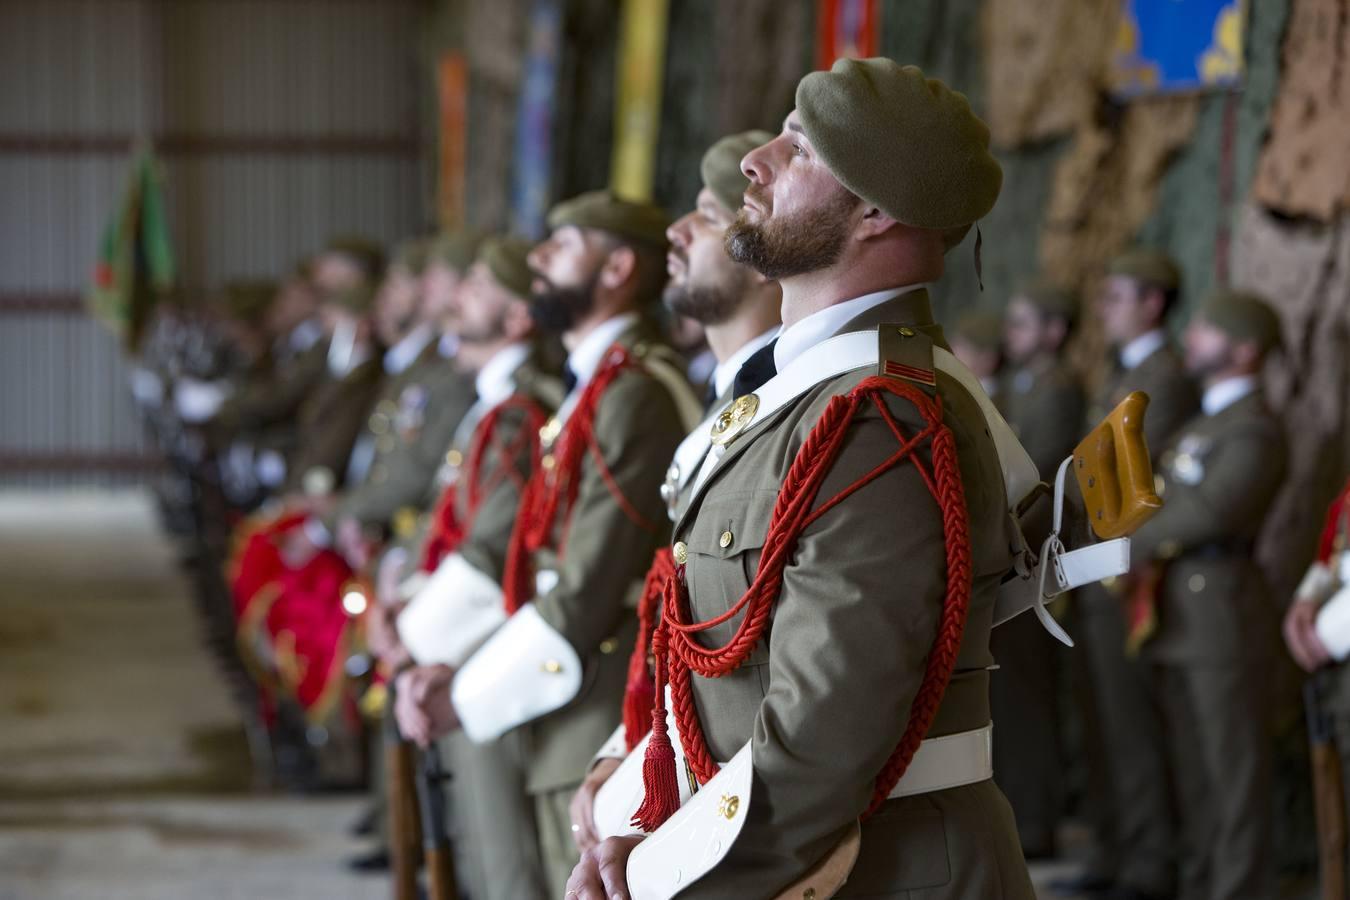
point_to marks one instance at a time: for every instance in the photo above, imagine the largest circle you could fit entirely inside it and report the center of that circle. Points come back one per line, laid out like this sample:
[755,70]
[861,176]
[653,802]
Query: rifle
[1328,795]
[436,848]
[404,841]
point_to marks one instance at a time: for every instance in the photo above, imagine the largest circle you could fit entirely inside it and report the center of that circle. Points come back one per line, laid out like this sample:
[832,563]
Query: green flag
[135,261]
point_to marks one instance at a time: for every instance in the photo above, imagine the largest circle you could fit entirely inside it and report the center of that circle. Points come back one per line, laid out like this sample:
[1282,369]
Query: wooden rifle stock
[436,846]
[1328,796]
[404,841]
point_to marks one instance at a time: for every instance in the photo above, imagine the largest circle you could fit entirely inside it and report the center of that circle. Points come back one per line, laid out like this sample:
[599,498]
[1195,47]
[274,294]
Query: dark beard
[806,242]
[556,309]
[705,305]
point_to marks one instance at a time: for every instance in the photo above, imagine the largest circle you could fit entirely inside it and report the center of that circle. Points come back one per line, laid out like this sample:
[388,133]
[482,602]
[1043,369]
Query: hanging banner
[1167,46]
[532,179]
[637,109]
[135,265]
[845,29]
[452,92]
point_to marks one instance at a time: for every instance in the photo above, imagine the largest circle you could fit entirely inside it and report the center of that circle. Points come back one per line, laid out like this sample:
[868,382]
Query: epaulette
[906,352]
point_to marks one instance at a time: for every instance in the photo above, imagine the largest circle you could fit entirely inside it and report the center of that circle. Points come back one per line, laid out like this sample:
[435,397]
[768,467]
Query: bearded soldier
[739,309]
[825,636]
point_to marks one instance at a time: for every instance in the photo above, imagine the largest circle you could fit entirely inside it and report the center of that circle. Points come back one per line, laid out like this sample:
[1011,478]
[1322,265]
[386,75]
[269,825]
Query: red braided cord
[446,530]
[550,493]
[792,514]
[640,692]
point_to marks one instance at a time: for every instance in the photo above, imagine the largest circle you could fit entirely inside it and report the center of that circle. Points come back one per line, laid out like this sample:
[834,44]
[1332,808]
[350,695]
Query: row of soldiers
[755,620]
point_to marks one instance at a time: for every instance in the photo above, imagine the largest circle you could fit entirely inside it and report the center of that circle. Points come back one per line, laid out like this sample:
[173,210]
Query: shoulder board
[907,353]
[667,366]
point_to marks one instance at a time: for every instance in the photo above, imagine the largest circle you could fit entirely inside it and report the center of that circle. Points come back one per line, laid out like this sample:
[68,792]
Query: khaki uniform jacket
[489,532]
[825,697]
[606,555]
[276,394]
[1172,395]
[1220,476]
[329,421]
[412,424]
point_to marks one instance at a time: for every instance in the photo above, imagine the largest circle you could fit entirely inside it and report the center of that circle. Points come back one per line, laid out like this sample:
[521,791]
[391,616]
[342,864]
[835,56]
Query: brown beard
[795,245]
[705,304]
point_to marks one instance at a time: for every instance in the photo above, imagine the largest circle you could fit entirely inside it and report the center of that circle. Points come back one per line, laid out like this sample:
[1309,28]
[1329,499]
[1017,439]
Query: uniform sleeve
[506,466]
[1241,475]
[1057,414]
[607,552]
[330,444]
[273,397]
[411,467]
[1173,400]
[858,614]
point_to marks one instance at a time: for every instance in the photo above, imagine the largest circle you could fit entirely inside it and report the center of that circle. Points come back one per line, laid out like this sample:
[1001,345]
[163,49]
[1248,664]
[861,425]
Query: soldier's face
[1208,349]
[439,284]
[336,272]
[482,307]
[1024,331]
[797,217]
[705,284]
[566,268]
[1120,304]
[396,305]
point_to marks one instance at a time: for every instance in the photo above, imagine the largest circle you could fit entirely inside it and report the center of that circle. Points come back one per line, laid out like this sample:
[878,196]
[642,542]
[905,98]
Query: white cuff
[147,387]
[197,401]
[697,837]
[451,616]
[616,747]
[525,670]
[1317,585]
[1333,624]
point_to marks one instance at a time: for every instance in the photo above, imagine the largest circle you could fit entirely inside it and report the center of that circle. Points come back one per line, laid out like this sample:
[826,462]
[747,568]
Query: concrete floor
[123,771]
[123,768]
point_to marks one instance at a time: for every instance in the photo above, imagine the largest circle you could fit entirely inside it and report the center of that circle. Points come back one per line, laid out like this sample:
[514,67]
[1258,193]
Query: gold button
[680,552]
[608,645]
[454,458]
[728,806]
[552,667]
[548,462]
[1196,583]
[906,331]
[725,540]
[809,894]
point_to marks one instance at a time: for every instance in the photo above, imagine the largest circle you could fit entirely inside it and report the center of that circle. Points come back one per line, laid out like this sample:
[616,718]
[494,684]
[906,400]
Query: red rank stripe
[913,373]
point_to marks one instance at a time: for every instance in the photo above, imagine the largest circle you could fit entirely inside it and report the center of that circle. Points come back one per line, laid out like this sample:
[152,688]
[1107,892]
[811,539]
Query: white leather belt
[952,760]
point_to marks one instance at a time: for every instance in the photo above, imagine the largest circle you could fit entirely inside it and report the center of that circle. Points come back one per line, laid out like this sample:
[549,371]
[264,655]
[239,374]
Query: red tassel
[638,699]
[660,781]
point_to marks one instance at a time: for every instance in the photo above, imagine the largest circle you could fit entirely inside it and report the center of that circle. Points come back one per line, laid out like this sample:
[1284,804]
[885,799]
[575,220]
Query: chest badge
[732,420]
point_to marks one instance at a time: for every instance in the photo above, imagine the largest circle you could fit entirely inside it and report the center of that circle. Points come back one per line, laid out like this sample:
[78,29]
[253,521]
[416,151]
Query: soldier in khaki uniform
[1215,638]
[592,515]
[739,310]
[495,452]
[833,664]
[1129,802]
[1043,402]
[977,340]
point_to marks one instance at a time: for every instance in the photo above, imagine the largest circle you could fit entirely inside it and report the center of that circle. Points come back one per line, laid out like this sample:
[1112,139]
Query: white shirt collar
[586,356]
[448,345]
[398,357]
[725,374]
[1141,348]
[304,336]
[825,323]
[1219,397]
[496,380]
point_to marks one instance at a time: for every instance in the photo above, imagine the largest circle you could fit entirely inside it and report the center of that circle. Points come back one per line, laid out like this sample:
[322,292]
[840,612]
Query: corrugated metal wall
[279,122]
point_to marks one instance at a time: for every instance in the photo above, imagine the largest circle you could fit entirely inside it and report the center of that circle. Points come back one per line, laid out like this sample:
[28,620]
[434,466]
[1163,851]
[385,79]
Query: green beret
[1050,299]
[359,299]
[905,143]
[640,223]
[456,249]
[1149,265]
[249,299]
[1243,316]
[364,252]
[721,166]
[505,258]
[982,329]
[412,255]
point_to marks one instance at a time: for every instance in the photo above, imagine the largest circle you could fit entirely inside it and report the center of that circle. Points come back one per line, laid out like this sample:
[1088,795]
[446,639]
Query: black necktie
[710,395]
[756,370]
[569,378]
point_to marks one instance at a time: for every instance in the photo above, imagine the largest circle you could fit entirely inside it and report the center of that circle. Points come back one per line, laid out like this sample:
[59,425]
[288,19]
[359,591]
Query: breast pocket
[724,545]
